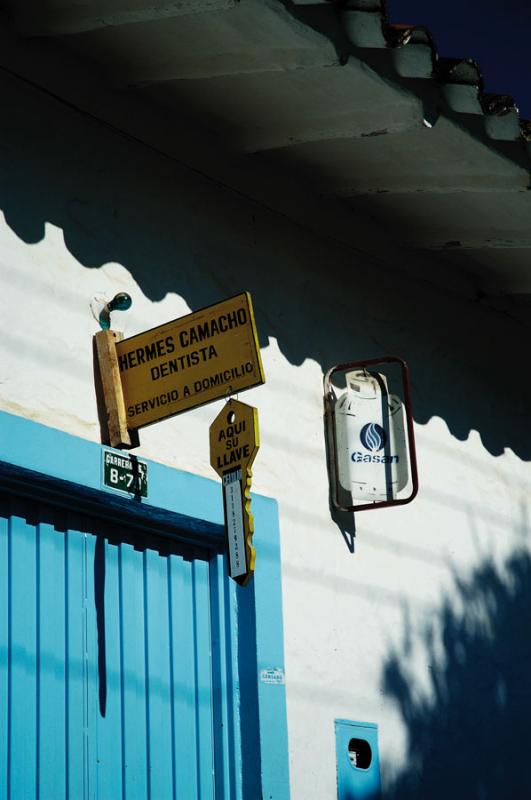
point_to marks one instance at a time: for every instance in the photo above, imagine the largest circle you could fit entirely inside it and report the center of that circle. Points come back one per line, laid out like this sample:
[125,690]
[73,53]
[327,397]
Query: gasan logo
[373,437]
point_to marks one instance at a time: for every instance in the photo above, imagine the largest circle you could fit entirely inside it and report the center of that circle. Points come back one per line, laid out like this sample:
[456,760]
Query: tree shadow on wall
[468,737]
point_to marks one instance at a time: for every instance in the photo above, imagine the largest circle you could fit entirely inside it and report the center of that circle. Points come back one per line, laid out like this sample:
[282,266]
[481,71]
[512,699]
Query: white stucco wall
[86,214]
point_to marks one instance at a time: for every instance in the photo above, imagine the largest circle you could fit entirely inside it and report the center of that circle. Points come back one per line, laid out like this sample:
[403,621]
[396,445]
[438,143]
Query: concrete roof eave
[356,115]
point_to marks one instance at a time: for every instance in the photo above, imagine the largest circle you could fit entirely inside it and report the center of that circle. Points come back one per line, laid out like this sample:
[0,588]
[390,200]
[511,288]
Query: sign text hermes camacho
[190,361]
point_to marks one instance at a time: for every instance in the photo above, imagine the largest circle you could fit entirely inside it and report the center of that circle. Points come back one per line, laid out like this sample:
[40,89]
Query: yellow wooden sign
[234,442]
[190,361]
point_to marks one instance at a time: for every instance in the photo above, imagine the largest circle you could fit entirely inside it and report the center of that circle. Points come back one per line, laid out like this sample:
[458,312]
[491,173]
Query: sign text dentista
[190,361]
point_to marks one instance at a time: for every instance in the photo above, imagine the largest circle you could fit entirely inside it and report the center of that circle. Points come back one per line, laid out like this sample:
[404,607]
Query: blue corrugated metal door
[106,677]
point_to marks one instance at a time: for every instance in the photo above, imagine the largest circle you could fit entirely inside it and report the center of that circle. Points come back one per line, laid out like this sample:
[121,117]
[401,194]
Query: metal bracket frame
[331,431]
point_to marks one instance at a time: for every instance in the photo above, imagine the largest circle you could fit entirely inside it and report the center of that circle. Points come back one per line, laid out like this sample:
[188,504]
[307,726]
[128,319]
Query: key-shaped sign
[234,442]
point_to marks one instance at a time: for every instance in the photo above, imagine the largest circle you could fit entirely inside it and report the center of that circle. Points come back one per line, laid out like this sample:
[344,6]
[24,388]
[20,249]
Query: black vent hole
[359,753]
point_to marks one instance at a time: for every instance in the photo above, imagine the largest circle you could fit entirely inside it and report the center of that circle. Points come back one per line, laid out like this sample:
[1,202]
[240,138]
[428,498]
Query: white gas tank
[371,440]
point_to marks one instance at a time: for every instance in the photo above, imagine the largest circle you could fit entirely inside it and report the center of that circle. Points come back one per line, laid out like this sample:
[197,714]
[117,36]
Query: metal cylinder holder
[371,445]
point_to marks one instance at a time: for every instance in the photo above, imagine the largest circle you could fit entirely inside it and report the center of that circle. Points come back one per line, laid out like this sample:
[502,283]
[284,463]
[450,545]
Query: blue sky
[496,34]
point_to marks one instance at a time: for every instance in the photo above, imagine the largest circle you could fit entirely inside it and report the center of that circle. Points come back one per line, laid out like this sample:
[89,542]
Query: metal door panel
[224,666]
[203,694]
[108,665]
[23,685]
[184,678]
[75,660]
[134,673]
[158,706]
[4,636]
[105,665]
[51,631]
